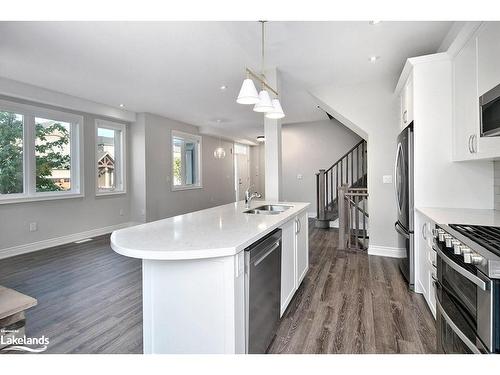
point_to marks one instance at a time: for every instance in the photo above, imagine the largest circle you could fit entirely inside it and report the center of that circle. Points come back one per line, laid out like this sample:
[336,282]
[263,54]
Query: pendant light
[219,152]
[277,111]
[248,93]
[263,102]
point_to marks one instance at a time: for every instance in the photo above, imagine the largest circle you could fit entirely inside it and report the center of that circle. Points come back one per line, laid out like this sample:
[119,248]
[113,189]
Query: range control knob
[465,251]
[448,240]
[456,247]
[473,258]
[435,232]
[441,234]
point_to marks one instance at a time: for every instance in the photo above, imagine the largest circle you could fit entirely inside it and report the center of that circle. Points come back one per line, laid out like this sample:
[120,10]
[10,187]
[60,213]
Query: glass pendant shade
[277,111]
[219,153]
[264,104]
[248,93]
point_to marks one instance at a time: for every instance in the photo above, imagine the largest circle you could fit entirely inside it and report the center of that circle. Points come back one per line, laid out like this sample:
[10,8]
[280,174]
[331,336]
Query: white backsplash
[497,184]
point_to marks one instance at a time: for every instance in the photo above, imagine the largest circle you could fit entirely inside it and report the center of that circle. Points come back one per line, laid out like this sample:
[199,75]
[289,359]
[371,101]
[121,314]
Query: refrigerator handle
[399,149]
[401,231]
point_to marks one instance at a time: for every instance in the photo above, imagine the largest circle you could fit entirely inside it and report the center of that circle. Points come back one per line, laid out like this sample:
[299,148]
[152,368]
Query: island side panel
[193,306]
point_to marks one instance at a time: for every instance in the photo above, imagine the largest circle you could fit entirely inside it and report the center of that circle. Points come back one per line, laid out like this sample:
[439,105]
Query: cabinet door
[488,57]
[465,103]
[288,278]
[302,246]
[407,103]
[488,46]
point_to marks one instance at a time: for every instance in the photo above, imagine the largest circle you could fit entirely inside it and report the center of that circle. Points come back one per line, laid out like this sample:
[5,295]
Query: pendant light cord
[263,41]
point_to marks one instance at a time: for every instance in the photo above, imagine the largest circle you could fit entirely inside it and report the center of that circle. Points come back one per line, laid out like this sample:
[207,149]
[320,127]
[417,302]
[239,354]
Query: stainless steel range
[468,288]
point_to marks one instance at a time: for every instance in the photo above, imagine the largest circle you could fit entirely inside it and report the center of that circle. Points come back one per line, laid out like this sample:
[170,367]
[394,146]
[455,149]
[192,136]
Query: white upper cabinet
[476,71]
[488,61]
[465,103]
[407,103]
[488,57]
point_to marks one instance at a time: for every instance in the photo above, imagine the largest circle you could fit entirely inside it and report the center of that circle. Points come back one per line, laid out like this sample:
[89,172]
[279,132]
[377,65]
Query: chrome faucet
[249,197]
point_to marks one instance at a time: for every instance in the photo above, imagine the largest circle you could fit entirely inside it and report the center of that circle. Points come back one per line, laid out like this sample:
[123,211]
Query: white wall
[257,168]
[63,217]
[371,110]
[160,200]
[307,148]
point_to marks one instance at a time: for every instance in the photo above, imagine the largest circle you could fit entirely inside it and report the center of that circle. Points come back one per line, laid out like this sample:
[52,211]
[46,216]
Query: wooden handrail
[345,155]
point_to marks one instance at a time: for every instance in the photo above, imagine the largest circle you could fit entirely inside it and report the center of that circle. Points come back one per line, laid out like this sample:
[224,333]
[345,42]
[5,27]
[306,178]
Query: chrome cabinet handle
[474,143]
[405,115]
[462,271]
[455,329]
[470,147]
[423,231]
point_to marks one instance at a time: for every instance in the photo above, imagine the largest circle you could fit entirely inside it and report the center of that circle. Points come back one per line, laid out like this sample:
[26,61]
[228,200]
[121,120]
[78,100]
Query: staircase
[350,171]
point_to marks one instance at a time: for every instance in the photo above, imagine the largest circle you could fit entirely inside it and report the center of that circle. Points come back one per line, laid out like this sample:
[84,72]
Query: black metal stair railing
[349,170]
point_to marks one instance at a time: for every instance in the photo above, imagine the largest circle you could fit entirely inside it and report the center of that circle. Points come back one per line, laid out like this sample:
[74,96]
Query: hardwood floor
[89,297]
[350,302]
[90,301]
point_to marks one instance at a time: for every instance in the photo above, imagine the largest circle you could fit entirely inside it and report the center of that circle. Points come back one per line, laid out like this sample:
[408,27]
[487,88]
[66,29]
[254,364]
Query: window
[110,157]
[186,161]
[39,153]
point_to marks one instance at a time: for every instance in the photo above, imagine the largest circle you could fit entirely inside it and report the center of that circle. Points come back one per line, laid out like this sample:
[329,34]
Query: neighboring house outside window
[186,161]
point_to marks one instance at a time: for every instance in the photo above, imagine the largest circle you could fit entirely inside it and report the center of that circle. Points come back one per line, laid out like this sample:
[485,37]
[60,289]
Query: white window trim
[30,194]
[180,134]
[123,157]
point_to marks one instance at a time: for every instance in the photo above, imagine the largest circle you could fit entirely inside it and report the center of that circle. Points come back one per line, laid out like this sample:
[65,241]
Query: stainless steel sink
[272,208]
[268,209]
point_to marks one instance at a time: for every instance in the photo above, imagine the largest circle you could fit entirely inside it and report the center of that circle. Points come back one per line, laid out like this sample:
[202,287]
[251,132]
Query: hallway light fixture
[262,101]
[261,138]
[219,152]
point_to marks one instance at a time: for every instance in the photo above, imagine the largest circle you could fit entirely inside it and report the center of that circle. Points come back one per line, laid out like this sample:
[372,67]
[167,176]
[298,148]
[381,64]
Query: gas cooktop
[487,237]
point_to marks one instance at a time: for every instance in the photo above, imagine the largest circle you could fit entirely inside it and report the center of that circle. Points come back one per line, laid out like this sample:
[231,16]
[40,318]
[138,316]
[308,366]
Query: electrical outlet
[299,177]
[33,226]
[387,179]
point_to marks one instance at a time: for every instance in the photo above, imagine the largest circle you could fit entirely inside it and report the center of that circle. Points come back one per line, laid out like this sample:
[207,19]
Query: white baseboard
[384,251]
[51,242]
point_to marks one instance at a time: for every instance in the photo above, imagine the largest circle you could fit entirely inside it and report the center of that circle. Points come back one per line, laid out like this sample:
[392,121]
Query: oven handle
[468,275]
[457,331]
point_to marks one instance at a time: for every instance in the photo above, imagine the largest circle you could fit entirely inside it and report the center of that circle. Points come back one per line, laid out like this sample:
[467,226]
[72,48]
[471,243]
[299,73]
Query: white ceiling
[175,69]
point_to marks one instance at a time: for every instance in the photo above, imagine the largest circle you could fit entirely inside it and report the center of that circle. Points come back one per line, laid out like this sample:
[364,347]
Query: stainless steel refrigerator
[403,183]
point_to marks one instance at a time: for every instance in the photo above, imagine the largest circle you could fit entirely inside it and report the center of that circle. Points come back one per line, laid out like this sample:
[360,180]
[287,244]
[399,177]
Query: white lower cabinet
[302,247]
[425,260]
[294,257]
[288,278]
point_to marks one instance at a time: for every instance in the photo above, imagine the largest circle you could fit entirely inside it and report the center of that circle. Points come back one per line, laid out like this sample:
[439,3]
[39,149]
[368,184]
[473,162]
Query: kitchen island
[193,273]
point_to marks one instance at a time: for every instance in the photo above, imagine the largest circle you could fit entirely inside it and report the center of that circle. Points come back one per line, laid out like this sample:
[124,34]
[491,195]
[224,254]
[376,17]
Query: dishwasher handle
[267,253]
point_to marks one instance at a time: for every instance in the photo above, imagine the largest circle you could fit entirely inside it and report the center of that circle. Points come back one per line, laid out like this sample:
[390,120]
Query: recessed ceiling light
[122,105]
[218,121]
[223,87]
[374,58]
[374,22]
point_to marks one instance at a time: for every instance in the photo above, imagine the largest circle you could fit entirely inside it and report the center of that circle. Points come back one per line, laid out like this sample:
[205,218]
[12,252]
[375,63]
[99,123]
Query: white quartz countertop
[214,232]
[462,216]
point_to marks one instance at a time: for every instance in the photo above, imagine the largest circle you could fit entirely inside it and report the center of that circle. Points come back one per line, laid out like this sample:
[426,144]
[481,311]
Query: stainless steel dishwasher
[262,291]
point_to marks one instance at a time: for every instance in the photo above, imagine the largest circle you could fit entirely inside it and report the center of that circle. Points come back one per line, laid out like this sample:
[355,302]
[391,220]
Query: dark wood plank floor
[350,302]
[90,301]
[89,297]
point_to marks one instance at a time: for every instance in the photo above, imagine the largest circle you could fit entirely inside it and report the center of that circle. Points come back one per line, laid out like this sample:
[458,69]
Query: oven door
[463,302]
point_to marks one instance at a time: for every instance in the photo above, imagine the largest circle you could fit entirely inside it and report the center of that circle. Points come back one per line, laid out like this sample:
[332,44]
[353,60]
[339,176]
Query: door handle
[399,149]
[455,329]
[397,226]
[268,252]
[462,271]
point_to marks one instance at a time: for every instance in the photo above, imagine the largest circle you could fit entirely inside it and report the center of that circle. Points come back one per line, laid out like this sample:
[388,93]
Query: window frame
[192,137]
[122,164]
[29,113]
